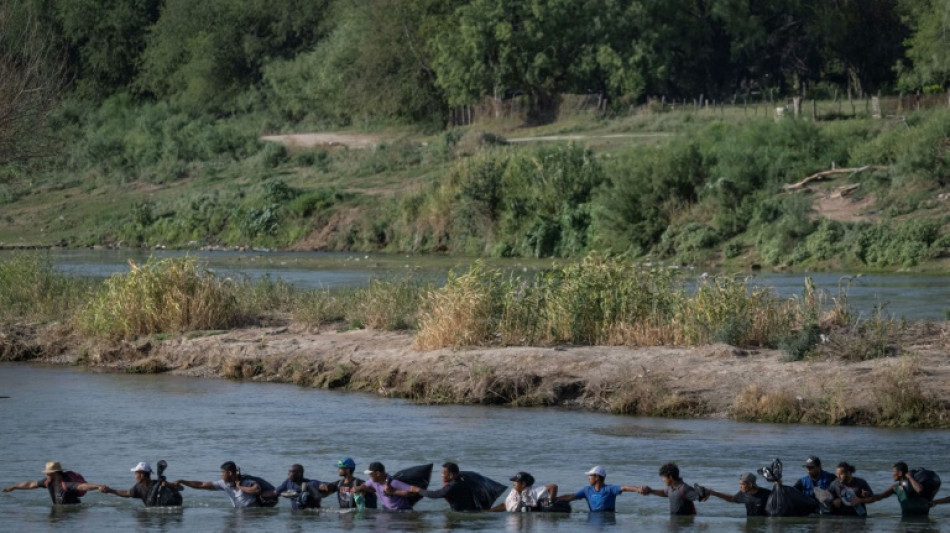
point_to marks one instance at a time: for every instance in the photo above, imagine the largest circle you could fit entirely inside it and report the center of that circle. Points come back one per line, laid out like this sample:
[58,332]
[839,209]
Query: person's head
[521,481]
[845,472]
[813,466]
[747,483]
[53,470]
[376,472]
[345,467]
[295,473]
[229,472]
[596,475]
[670,474]
[900,470]
[142,471]
[450,471]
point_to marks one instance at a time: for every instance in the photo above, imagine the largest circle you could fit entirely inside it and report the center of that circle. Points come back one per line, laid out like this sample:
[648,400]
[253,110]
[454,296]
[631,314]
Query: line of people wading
[817,492]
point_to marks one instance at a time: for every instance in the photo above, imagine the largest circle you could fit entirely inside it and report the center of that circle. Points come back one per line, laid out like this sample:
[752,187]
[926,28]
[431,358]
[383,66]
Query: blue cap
[346,462]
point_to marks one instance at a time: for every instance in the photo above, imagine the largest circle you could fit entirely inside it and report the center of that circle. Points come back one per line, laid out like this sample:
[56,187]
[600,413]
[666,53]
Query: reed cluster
[162,296]
[31,290]
[606,301]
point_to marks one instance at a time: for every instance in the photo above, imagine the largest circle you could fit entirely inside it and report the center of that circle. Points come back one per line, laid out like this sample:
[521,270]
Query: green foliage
[206,54]
[905,243]
[32,290]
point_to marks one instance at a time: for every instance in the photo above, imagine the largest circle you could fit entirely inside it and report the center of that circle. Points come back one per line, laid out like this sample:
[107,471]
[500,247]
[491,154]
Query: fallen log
[826,173]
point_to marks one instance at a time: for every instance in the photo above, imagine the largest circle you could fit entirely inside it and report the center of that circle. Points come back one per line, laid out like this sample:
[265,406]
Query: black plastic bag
[484,490]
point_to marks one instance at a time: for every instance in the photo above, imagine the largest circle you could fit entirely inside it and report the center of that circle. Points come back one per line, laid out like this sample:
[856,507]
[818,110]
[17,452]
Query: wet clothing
[912,503]
[291,485]
[238,498]
[63,493]
[806,485]
[754,503]
[856,488]
[391,503]
[140,491]
[527,500]
[458,494]
[603,500]
[345,497]
[681,499]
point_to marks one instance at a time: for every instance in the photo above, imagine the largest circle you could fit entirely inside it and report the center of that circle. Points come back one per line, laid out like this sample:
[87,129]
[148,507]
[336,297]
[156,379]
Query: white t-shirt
[530,496]
[238,497]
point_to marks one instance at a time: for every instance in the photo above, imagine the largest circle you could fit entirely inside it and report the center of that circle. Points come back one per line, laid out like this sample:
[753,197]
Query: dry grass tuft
[170,295]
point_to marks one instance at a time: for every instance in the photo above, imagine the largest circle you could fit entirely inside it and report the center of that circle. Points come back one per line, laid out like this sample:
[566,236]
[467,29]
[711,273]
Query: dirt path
[326,140]
[548,138]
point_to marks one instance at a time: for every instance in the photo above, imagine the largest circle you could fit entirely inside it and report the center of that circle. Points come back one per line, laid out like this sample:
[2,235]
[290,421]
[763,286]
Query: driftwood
[826,173]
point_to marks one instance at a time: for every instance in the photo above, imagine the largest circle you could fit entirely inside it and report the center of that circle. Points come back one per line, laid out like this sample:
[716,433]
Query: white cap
[597,471]
[142,467]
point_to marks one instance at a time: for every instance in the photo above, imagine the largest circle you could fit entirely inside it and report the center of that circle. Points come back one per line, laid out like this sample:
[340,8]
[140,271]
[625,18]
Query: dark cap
[375,467]
[812,461]
[523,477]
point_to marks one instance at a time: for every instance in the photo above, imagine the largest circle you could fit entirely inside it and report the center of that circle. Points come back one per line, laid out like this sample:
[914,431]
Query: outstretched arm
[721,495]
[629,488]
[105,489]
[645,490]
[26,485]
[941,500]
[875,498]
[202,485]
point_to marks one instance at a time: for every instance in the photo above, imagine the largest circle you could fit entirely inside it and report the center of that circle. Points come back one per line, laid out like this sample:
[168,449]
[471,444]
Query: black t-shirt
[140,490]
[458,494]
[62,493]
[754,503]
[346,498]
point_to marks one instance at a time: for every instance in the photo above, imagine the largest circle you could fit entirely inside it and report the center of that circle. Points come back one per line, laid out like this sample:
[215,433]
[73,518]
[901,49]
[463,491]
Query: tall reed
[168,295]
[32,290]
[607,301]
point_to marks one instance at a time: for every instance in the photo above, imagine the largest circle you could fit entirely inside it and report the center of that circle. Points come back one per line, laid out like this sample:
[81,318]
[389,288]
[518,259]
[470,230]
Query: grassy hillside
[699,187]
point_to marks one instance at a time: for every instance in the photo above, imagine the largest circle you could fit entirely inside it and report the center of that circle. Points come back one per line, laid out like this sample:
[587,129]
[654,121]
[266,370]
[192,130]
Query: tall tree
[32,79]
[929,43]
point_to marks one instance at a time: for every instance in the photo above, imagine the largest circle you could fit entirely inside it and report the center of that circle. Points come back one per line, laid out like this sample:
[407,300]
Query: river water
[911,296]
[103,424]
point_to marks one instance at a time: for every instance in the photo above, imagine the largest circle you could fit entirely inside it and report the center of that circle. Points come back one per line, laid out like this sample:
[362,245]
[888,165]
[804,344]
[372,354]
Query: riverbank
[714,381]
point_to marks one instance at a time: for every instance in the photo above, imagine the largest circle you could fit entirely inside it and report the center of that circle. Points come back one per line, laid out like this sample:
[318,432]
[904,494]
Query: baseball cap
[748,477]
[812,461]
[346,462]
[375,466]
[523,477]
[597,471]
[142,467]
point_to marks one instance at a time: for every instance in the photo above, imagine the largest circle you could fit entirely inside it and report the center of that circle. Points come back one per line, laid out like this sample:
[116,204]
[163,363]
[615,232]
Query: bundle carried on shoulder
[785,501]
[417,476]
[484,490]
[929,481]
[161,494]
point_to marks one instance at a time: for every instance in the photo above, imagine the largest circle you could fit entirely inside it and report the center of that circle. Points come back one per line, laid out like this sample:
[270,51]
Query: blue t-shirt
[603,500]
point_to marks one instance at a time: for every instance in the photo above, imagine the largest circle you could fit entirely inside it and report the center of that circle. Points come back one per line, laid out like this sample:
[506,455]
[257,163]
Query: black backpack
[929,480]
[161,494]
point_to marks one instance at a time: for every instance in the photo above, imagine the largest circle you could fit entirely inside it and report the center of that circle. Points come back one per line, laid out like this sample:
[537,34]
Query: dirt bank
[713,381]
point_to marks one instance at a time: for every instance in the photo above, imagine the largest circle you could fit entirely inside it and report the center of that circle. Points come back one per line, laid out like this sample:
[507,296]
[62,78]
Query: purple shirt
[391,503]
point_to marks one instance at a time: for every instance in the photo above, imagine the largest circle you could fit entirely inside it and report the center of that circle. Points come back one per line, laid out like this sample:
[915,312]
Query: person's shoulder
[219,484]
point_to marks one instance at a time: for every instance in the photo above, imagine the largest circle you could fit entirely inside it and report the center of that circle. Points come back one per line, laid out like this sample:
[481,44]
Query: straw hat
[52,466]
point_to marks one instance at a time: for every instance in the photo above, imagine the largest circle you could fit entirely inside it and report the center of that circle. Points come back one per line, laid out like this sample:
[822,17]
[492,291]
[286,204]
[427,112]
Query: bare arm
[26,485]
[723,496]
[202,485]
[918,488]
[940,501]
[552,490]
[645,490]
[877,497]
[253,489]
[629,488]
[105,489]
